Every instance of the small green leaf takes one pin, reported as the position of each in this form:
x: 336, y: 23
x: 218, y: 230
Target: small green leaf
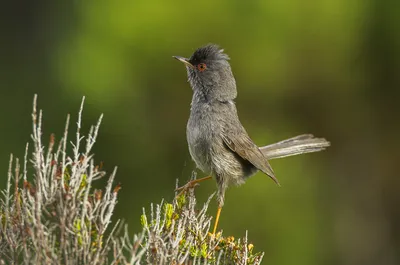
x: 169, y: 210
x: 194, y: 252
x: 143, y: 221
x: 203, y: 250
x: 181, y: 201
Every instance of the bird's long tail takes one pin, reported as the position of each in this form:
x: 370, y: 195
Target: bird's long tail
x: 305, y: 143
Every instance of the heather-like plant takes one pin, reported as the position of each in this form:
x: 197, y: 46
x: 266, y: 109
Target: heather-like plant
x: 51, y: 214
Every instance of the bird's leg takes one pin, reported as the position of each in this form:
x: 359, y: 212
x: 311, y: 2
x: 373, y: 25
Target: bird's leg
x: 222, y: 185
x: 190, y: 185
x: 217, y: 219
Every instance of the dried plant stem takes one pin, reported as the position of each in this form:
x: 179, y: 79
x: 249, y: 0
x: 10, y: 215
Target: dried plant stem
x: 54, y: 216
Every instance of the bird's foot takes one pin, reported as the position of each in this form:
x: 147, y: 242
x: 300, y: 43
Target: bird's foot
x: 190, y: 185
x: 184, y: 188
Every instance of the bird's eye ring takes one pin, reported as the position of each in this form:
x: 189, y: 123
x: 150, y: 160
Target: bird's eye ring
x: 201, y: 67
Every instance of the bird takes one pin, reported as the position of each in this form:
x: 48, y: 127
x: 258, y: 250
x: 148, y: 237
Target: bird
x: 218, y: 143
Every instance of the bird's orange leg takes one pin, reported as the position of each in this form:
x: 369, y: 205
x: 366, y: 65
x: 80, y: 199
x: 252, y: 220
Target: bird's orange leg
x: 190, y: 185
x: 217, y: 220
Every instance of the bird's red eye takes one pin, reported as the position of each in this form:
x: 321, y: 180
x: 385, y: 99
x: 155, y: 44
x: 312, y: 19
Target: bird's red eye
x: 201, y: 67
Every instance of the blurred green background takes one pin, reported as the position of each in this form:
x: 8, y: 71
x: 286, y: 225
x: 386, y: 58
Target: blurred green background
x: 331, y: 68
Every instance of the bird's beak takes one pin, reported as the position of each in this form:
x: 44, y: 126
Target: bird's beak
x: 184, y: 60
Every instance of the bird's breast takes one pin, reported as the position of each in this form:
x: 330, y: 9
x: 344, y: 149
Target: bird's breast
x: 203, y: 132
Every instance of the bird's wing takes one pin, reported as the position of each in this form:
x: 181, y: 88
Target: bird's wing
x: 241, y: 144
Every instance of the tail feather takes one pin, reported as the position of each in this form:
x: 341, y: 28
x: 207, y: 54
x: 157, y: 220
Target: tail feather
x: 301, y: 144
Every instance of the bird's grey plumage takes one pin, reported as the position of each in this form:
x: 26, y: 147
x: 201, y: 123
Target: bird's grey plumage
x: 218, y: 143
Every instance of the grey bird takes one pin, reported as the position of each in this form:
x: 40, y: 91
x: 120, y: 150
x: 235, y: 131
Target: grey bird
x: 218, y: 142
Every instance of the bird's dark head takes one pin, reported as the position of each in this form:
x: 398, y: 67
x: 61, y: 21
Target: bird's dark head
x: 210, y: 74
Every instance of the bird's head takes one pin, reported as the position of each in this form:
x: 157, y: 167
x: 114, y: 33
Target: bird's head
x: 210, y: 74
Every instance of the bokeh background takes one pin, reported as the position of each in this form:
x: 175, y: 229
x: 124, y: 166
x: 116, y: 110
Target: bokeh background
x: 331, y: 68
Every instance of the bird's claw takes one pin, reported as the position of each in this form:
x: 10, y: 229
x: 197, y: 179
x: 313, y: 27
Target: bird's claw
x: 187, y: 186
x: 190, y: 185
